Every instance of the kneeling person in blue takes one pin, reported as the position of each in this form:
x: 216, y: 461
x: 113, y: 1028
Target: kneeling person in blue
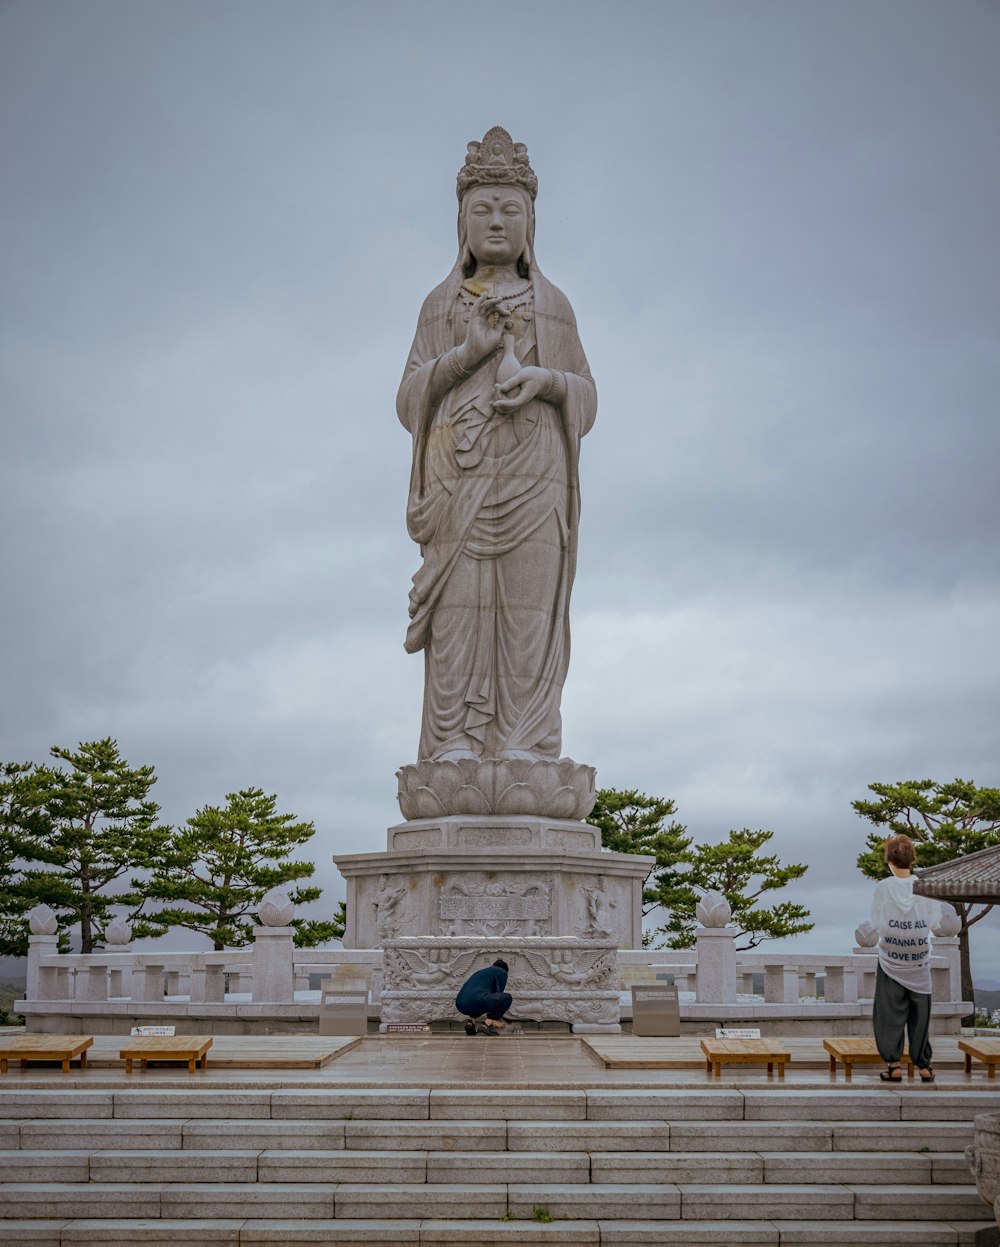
x: 483, y: 992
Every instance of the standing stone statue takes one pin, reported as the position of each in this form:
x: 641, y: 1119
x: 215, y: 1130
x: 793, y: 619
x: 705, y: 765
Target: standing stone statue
x: 497, y: 395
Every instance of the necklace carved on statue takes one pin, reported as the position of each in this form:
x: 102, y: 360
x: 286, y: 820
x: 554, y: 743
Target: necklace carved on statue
x: 515, y: 298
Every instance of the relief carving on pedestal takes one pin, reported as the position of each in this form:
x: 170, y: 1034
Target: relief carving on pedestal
x: 598, y: 918
x: 391, y: 910
x: 470, y: 905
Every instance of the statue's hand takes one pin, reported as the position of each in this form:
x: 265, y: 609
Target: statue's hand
x: 523, y: 386
x: 486, y: 328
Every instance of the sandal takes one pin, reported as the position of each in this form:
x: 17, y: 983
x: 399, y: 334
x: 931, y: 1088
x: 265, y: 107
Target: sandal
x: 893, y: 1073
x: 927, y: 1073
x: 470, y: 1027
x: 486, y: 1029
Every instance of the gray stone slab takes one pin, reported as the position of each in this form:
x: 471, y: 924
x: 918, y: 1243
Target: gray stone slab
x: 29, y: 1104
x: 430, y: 1136
x: 508, y: 1167
x: 10, y: 1133
x: 120, y: 1233
x: 101, y: 1135
x: 234, y: 1199
x: 523, y: 1233
x: 296, y: 1136
x: 629, y: 1167
x: 861, y: 1234
x: 343, y: 1166
x: 542, y: 1105
x: 708, y: 1105
x: 344, y: 1104
x: 324, y: 1233
x: 727, y: 1201
x: 977, y: 1233
x: 934, y: 1104
x: 22, y: 1201
x: 45, y: 1165
x: 442, y: 1201
x: 38, y: 1233
x: 950, y: 1168
x: 225, y: 1105
x: 858, y: 1167
x: 750, y: 1136
x: 587, y: 1136
x: 812, y: 1106
x: 174, y: 1165
x: 683, y: 1233
x: 904, y: 1136
x: 596, y: 1200
x: 919, y: 1203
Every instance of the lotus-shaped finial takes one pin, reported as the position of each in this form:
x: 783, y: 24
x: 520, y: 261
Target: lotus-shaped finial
x: 42, y: 920
x: 713, y: 910
x: 865, y: 935
x: 276, y: 908
x: 117, y: 932
x: 948, y: 924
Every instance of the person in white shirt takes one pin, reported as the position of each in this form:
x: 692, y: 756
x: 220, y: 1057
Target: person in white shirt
x: 903, y: 982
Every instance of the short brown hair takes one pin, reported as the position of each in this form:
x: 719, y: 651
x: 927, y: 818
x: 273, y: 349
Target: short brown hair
x: 900, y: 852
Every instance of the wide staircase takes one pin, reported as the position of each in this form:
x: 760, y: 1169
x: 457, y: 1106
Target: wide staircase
x: 345, y: 1166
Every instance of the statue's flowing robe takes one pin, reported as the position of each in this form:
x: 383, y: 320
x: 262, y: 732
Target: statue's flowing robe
x: 494, y: 505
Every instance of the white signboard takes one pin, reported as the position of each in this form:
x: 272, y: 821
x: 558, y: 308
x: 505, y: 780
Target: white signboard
x: 152, y: 1030
x: 737, y: 1032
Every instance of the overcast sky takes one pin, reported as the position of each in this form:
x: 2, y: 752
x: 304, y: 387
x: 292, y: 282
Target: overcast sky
x: 778, y: 226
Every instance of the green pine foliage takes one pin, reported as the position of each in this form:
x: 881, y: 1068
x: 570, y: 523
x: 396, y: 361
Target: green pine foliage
x: 632, y: 822
x: 738, y: 869
x: 220, y: 864
x: 945, y: 821
x: 72, y: 833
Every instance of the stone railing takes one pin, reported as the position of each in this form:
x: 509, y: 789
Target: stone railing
x: 271, y: 978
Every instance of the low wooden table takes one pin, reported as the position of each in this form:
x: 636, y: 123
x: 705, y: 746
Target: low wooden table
x: 143, y: 1048
x: 851, y: 1052
x: 985, y: 1050
x: 25, y: 1048
x: 719, y: 1052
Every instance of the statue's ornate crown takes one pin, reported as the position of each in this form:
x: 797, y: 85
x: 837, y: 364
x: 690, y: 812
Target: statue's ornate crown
x: 497, y: 160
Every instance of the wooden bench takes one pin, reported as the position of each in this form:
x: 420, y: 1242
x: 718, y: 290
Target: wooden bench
x: 143, y: 1048
x: 25, y: 1048
x: 851, y: 1052
x: 985, y: 1050
x: 719, y: 1052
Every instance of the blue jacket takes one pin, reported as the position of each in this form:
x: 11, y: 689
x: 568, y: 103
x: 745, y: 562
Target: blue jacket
x: 480, y: 988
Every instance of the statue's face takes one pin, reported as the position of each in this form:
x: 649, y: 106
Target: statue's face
x: 496, y: 224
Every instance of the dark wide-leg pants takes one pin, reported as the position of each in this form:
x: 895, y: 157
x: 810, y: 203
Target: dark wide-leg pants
x: 493, y: 1004
x: 898, y: 1011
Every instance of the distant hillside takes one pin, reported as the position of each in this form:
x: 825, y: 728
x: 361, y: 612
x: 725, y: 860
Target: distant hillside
x: 987, y: 1000
x: 9, y: 992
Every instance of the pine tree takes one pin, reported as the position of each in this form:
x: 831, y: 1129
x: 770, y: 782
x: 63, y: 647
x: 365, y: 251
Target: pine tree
x: 220, y: 864
x: 736, y: 868
x: 80, y: 831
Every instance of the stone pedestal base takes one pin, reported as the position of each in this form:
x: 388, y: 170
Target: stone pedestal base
x: 551, y: 980
x: 492, y: 875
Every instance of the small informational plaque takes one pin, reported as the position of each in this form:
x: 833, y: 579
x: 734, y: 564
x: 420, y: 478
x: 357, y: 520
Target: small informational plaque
x: 152, y: 1030
x: 405, y: 1028
x: 737, y: 1032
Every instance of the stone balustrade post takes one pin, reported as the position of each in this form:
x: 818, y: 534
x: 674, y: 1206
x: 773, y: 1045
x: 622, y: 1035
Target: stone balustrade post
x: 39, y: 946
x: 147, y: 983
x: 53, y: 983
x: 120, y: 976
x: 841, y: 985
x: 173, y: 983
x: 92, y: 982
x: 950, y: 980
x: 781, y: 983
x: 807, y: 982
x: 207, y: 985
x: 715, y: 973
x: 273, y: 949
x: 746, y: 983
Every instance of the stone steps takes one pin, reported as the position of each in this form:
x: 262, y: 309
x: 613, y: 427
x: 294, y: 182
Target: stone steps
x: 237, y: 1232
x: 681, y: 1166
